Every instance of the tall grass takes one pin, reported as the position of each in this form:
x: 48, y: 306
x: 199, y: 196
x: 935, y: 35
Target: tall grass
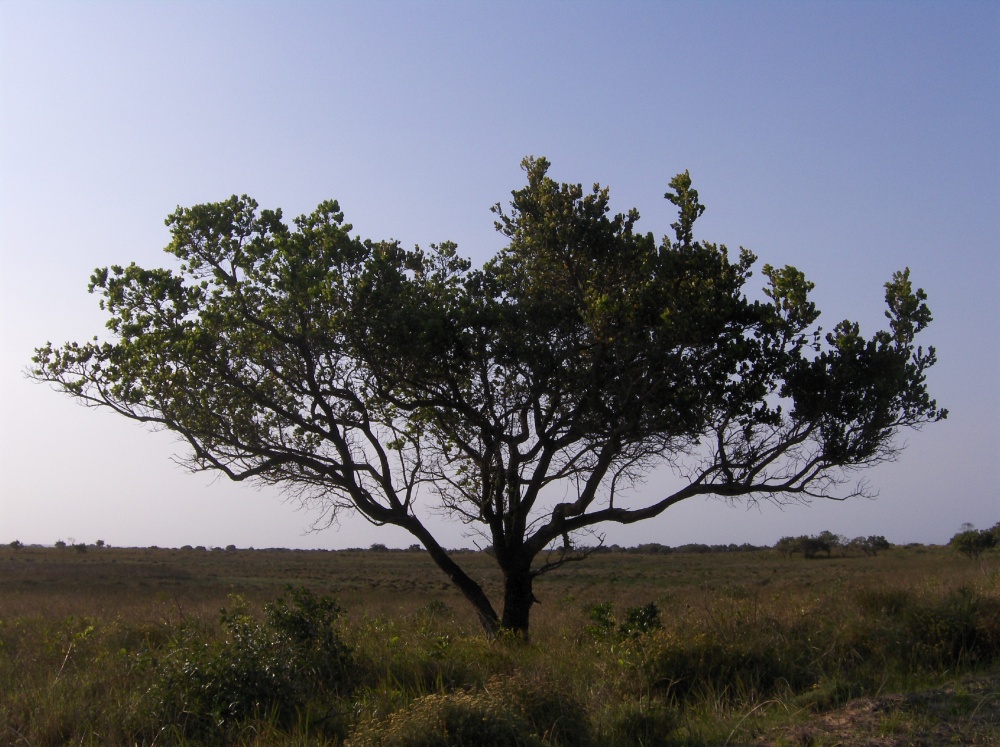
x: 646, y: 658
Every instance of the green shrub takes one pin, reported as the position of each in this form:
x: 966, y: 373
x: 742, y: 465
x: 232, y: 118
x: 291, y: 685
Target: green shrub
x: 640, y: 620
x: 602, y: 620
x: 276, y: 669
x: 973, y: 543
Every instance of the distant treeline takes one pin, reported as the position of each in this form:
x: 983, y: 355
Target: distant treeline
x: 809, y: 546
x: 655, y: 548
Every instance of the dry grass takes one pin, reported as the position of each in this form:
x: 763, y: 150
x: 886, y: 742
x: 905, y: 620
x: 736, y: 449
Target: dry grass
x: 754, y: 648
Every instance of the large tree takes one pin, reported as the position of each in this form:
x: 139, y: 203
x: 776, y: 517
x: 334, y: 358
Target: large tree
x: 523, y: 397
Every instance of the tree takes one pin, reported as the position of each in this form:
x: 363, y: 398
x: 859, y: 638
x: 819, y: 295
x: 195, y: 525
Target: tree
x: 522, y: 398
x: 830, y: 541
x: 974, y: 542
x: 810, y: 547
x: 870, y: 545
x: 788, y: 546
x: 813, y: 546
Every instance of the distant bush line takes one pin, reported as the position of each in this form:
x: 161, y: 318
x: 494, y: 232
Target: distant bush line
x: 970, y: 542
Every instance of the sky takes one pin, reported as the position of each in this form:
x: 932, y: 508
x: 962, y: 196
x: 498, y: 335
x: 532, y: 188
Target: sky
x: 849, y: 139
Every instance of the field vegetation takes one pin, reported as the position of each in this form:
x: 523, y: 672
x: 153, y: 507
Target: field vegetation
x: 115, y: 646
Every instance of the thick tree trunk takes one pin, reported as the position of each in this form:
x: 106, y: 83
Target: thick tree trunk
x: 517, y: 600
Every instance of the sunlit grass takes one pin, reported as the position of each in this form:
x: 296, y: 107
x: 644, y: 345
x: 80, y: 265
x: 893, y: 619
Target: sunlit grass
x: 102, y: 648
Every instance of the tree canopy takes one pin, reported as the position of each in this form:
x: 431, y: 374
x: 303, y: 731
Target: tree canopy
x: 522, y: 397
x: 974, y: 542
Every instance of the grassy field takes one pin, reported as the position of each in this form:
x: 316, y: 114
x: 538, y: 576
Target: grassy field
x: 116, y: 646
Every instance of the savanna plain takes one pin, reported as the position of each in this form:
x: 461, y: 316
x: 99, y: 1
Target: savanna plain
x: 152, y: 646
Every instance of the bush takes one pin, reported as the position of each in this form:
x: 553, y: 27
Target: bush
x: 870, y: 545
x: 974, y: 542
x: 810, y: 547
x: 638, y: 621
x: 602, y: 620
x: 291, y: 661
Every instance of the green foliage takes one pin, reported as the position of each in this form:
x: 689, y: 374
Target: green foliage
x: 871, y: 545
x: 638, y: 621
x: 974, y: 542
x: 602, y: 620
x: 276, y: 668
x: 356, y: 372
x: 809, y: 546
x: 826, y: 542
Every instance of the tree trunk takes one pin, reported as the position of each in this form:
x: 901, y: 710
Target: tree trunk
x: 472, y: 591
x: 517, y: 600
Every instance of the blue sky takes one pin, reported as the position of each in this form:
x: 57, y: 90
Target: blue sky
x: 849, y: 139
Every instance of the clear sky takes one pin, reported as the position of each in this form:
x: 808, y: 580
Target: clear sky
x: 850, y: 139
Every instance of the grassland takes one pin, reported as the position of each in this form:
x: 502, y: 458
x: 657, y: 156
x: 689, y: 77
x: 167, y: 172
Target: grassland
x: 127, y: 646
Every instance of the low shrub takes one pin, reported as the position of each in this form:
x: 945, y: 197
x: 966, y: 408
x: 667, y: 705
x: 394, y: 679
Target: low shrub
x: 281, y: 669
x: 638, y: 621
